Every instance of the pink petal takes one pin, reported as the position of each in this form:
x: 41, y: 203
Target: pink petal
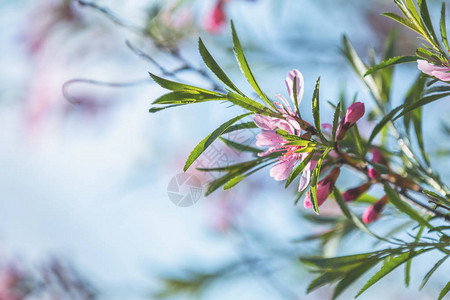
x: 282, y: 170
x: 269, y: 139
x: 265, y: 122
x: 370, y: 215
x: 304, y: 179
x: 442, y: 75
x: 290, y: 85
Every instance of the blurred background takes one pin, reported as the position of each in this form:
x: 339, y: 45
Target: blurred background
x: 85, y: 211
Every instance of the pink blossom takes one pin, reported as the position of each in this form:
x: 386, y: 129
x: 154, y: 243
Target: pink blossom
x: 216, y: 18
x: 324, y: 188
x: 440, y: 72
x: 354, y: 113
x: 269, y: 138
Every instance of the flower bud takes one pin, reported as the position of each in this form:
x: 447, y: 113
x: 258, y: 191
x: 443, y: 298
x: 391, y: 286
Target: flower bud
x: 374, y: 174
x: 352, y: 194
x: 324, y: 188
x: 378, y: 157
x: 372, y: 213
x: 216, y: 18
x: 354, y: 113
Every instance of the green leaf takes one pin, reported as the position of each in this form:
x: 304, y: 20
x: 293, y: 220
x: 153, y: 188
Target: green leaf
x: 315, y: 179
x: 444, y: 291
x: 350, y: 215
x: 337, y: 114
x: 402, y: 21
x: 383, y: 122
x: 234, y: 181
x: 251, y: 105
x: 156, y: 109
x: 187, y: 97
x: 444, y: 28
x: 175, y: 86
x: 390, y: 264
x: 427, y: 19
x: 435, y: 196
x: 433, y: 269
x: 245, y: 68
x: 215, y: 68
x: 403, y: 207
x: 241, y: 126
x: 421, y: 102
x: 390, y: 62
x: 334, y: 263
x: 352, y: 276
x: 316, y: 112
x: 299, y: 168
x: 205, y: 143
x: 428, y: 55
x: 240, y: 147
x: 323, y: 279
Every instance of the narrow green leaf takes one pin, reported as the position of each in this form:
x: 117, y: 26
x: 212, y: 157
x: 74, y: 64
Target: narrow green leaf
x: 315, y: 179
x: 383, y: 122
x: 433, y: 269
x: 390, y: 264
x: 403, y: 207
x: 198, y: 150
x: 334, y: 263
x: 215, y: 68
x: 299, y: 168
x: 444, y: 28
x: 435, y: 196
x: 413, y: 10
x: 427, y: 19
x: 337, y: 114
x: 241, y: 126
x: 428, y: 55
x: 187, y: 97
x: 424, y: 101
x: 350, y: 215
x: 156, y: 109
x: 444, y: 291
x: 352, y: 276
x: 240, y: 147
x: 234, y: 181
x: 390, y: 62
x: 402, y: 21
x: 245, y: 68
x: 325, y: 278
x: 316, y: 112
x: 251, y: 105
x: 175, y: 86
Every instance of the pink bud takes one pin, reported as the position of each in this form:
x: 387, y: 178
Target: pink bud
x: 324, y: 188
x: 374, y: 174
x: 352, y: 194
x: 216, y: 19
x: 354, y: 113
x: 370, y: 215
x: 378, y: 157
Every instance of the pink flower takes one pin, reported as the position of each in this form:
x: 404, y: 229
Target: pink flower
x: 323, y: 189
x: 440, y: 72
x: 354, y: 113
x: 216, y: 19
x: 275, y: 142
x: 352, y: 194
x: 372, y: 213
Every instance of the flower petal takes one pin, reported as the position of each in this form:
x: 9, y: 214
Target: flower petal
x: 269, y: 139
x: 265, y: 122
x: 282, y: 170
x: 290, y: 85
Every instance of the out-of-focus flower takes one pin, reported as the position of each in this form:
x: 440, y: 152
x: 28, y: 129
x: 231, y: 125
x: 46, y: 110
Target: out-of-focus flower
x: 352, y: 194
x: 354, y: 113
x: 378, y: 158
x: 372, y: 213
x: 324, y: 188
x: 374, y: 174
x: 440, y: 72
x: 216, y: 19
